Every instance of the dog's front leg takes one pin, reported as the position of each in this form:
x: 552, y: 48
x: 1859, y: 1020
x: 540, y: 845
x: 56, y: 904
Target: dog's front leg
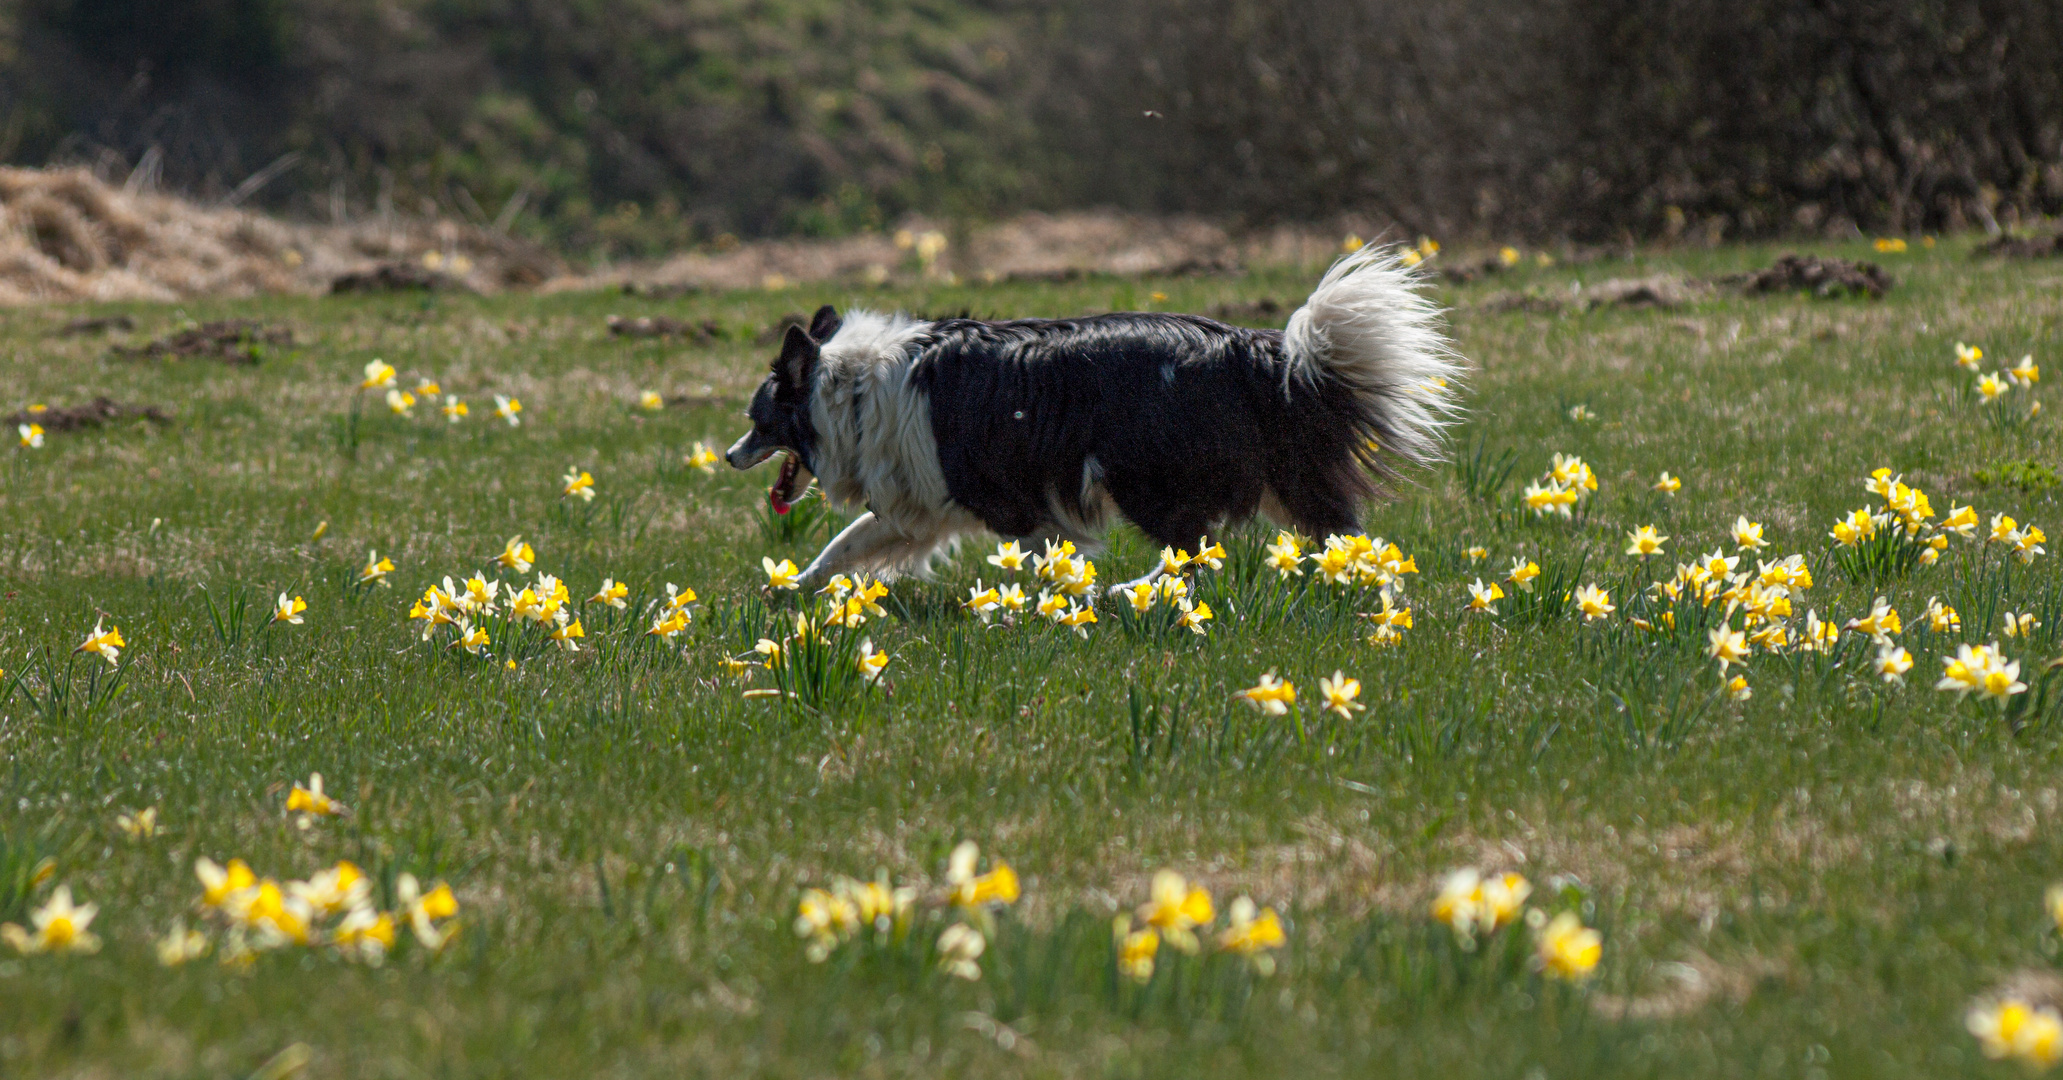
x: 861, y: 543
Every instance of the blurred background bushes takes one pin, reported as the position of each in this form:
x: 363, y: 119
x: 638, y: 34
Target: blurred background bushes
x: 635, y: 126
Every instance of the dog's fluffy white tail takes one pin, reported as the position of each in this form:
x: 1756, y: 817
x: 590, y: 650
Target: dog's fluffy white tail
x: 1370, y: 330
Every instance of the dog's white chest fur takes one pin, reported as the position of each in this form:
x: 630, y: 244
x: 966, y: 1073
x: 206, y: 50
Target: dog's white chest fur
x: 875, y: 444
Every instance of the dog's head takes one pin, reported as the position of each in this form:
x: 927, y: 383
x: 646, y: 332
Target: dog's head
x: 780, y: 412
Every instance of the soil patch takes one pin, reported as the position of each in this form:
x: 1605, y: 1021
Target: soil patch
x: 102, y: 324
x: 661, y: 326
x: 96, y: 413
x: 394, y: 277
x: 2023, y: 247
x: 233, y: 341
x: 1817, y: 274
x: 1661, y: 291
x: 1267, y: 310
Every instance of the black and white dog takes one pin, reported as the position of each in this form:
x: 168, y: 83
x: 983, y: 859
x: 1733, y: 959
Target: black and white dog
x: 1042, y: 428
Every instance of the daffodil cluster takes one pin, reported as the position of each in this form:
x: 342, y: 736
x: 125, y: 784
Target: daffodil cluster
x: 332, y: 909
x: 1178, y: 914
x: 884, y: 913
x: 543, y: 606
x: 1567, y: 482
x: 1476, y: 906
x: 1068, y: 579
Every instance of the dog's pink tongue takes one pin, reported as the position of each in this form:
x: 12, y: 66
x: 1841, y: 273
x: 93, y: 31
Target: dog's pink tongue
x: 780, y: 505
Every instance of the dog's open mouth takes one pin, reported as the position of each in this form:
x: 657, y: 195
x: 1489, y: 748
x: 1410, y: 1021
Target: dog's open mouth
x: 789, y: 485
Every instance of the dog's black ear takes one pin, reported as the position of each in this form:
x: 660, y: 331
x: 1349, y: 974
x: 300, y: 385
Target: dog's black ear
x: 798, y: 360
x: 824, y: 323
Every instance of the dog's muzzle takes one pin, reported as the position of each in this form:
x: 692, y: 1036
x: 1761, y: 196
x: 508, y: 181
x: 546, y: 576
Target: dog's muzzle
x: 743, y: 455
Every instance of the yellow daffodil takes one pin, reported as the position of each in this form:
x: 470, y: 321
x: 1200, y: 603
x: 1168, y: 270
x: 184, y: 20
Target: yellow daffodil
x: 1881, y: 624
x: 1990, y: 387
x: 517, y: 555
x: 508, y: 409
x: 1523, y: 571
x: 1728, y: 646
x: 959, y: 947
x: 471, y: 638
x: 781, y: 575
x: 427, y: 389
x: 1550, y: 499
x: 1483, y: 598
x: 982, y: 601
x: 577, y: 483
x: 141, y: 825
x: 870, y: 662
x: 288, y: 610
x: 1571, y: 472
x: 774, y: 652
x: 364, y: 935
x: 611, y: 593
x: 453, y: 409
x: 1008, y: 556
x: 1141, y: 596
x: 1351, y: 244
x: 1136, y: 949
x: 1173, y: 589
x: 1567, y: 949
x: 400, y: 402
x: 310, y: 799
x: 969, y: 889
x: 1286, y: 555
x: 1508, y: 256
x: 1271, y: 696
x: 1176, y: 908
x: 668, y: 624
x: 1208, y: 554
x: 1668, y: 485
x: 1052, y: 605
x: 59, y: 926
x: 1893, y: 662
x: 2026, y: 374
x: 1339, y: 693
x: 1747, y: 535
x: 1477, y: 554
x: 1962, y: 521
x: 703, y: 458
x: 1252, y: 932
x: 1968, y: 356
x: 1079, y: 619
x: 31, y: 436
x: 826, y: 918
x: 108, y: 643
x: 1410, y: 257
x: 2022, y: 625
x: 565, y: 633
x: 1644, y: 541
x: 1193, y: 616
x: 2027, y: 543
x: 1470, y: 903
x: 379, y: 375
x: 219, y: 883
x: 650, y: 401
x: 1172, y: 561
x: 429, y: 914
x: 181, y: 945
x: 2012, y: 1028
x: 375, y: 570
x: 1594, y: 602
x: 1857, y: 527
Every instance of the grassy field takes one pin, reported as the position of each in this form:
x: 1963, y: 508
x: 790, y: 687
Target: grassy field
x: 1816, y: 881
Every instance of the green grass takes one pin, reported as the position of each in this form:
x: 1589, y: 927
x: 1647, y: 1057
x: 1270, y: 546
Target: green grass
x: 1836, y: 866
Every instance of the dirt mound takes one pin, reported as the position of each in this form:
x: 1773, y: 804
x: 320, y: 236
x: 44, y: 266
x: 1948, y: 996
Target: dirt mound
x: 95, y: 413
x: 1817, y: 274
x: 67, y: 235
x: 656, y: 326
x: 103, y: 324
x: 393, y: 277
x: 1660, y: 291
x: 2023, y: 247
x: 233, y: 341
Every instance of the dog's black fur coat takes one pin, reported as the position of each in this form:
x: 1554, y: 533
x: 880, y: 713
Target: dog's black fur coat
x: 1190, y: 423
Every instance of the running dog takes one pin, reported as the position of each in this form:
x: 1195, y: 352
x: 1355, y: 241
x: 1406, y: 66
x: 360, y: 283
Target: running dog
x: 1045, y: 428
